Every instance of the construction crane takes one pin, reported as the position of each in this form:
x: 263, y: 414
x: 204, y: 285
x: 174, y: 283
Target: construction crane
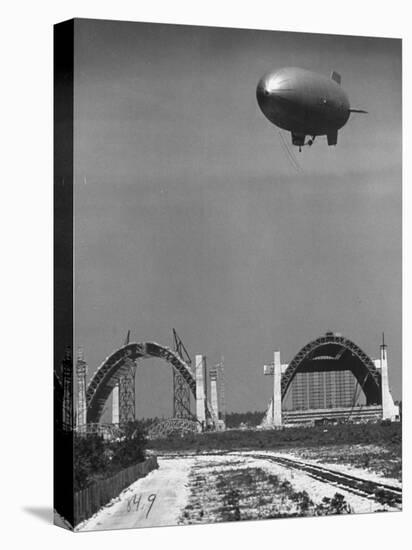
x: 181, y: 392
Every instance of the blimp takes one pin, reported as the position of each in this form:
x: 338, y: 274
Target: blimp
x: 305, y: 103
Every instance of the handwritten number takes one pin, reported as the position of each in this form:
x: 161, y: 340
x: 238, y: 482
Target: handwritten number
x: 151, y: 499
x: 136, y: 501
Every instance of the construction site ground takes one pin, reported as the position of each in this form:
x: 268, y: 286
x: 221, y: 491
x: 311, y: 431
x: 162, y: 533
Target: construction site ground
x: 213, y: 486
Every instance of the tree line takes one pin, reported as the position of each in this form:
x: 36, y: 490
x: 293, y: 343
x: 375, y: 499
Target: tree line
x: 248, y: 419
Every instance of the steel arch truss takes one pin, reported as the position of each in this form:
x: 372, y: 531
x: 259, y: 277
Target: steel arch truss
x: 117, y: 365
x: 362, y: 367
x: 172, y: 427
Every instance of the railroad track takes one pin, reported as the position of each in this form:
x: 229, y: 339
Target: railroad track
x: 381, y: 492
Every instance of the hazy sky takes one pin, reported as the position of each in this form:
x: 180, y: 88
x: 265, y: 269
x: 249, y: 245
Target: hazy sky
x: 189, y: 214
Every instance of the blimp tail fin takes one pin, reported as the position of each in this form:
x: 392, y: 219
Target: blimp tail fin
x: 358, y: 111
x: 336, y: 77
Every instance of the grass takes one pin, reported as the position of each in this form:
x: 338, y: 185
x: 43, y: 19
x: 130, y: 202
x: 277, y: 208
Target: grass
x: 388, y: 436
x: 248, y: 494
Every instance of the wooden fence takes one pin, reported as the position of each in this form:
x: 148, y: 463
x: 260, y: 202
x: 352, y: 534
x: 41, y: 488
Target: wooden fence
x: 89, y: 500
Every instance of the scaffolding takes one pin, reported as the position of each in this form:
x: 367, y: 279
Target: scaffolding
x: 127, y: 392
x: 221, y: 385
x: 181, y: 391
x: 67, y: 373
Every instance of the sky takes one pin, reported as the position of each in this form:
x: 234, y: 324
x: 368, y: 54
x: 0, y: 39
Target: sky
x: 189, y: 214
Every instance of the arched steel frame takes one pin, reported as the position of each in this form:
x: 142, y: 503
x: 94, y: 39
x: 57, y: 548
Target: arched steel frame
x: 363, y: 369
x: 172, y: 426
x: 105, y: 377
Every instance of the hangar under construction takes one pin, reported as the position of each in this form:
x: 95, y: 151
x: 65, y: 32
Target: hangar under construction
x: 330, y: 379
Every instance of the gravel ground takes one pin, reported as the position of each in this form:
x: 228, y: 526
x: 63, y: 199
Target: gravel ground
x: 265, y: 490
x: 190, y: 489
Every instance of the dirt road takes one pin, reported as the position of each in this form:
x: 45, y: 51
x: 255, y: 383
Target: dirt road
x: 153, y: 501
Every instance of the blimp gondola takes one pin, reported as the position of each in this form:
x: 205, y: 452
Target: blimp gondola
x: 305, y: 103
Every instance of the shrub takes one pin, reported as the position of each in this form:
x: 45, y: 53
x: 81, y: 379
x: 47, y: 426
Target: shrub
x: 131, y: 447
x: 95, y: 458
x: 91, y: 459
x: 331, y: 506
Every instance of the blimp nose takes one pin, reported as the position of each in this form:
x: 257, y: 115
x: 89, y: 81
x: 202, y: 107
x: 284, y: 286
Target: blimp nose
x: 263, y: 94
x: 274, y: 94
x: 276, y: 84
x: 274, y: 88
x: 262, y: 88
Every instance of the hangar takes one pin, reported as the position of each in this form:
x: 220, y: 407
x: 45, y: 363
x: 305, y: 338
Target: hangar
x: 330, y: 379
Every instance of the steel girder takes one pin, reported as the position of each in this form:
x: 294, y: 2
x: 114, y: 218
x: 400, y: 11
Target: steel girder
x: 172, y: 426
x: 181, y: 397
x: 127, y: 392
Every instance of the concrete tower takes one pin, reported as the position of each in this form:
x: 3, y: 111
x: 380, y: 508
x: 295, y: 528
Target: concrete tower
x: 115, y: 404
x: 81, y: 371
x: 200, y: 392
x: 277, y: 389
x: 213, y: 396
x: 273, y: 415
x: 389, y: 410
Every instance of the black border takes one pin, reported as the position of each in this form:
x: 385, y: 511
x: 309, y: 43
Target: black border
x: 63, y: 260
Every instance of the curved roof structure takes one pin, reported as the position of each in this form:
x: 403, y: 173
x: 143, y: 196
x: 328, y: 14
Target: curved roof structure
x: 334, y: 352
x: 105, y: 378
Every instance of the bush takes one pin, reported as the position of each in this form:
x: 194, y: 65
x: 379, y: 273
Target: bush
x: 91, y: 459
x: 131, y: 448
x: 95, y: 458
x: 250, y: 419
x: 331, y: 506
